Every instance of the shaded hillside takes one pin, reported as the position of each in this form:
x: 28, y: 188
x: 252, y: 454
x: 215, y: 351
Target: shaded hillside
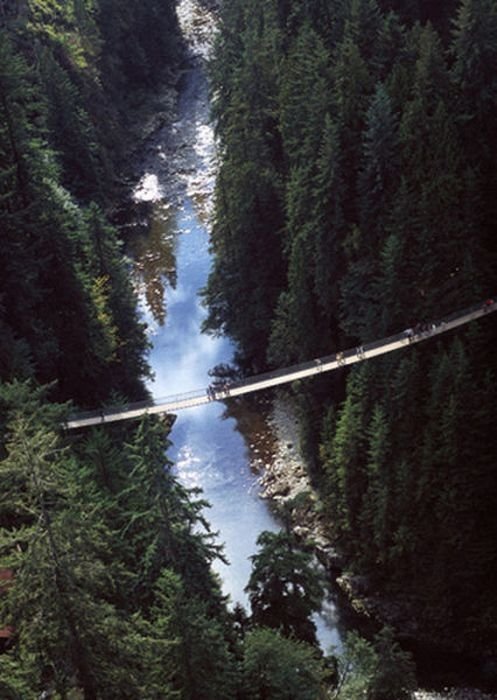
x: 67, y: 311
x: 356, y: 198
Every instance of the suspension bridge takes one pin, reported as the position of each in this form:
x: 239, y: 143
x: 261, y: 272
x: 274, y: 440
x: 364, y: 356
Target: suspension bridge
x: 221, y: 390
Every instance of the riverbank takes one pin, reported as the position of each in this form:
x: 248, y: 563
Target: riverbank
x: 152, y: 115
x: 285, y: 484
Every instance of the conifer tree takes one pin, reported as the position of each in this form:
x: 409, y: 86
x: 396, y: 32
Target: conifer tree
x: 303, y: 100
x: 277, y: 667
x: 66, y: 631
x: 71, y: 133
x: 199, y: 663
x: 283, y: 587
x: 377, y: 180
x: 161, y: 521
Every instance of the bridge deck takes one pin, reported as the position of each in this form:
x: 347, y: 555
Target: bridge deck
x: 258, y: 382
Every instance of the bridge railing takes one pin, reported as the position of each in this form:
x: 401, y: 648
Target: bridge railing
x: 136, y: 405
x: 222, y: 389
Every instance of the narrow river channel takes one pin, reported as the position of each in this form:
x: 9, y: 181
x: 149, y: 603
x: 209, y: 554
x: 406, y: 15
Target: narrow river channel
x: 212, y: 449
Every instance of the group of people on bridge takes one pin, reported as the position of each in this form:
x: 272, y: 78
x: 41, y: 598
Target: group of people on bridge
x: 221, y: 388
x: 211, y: 390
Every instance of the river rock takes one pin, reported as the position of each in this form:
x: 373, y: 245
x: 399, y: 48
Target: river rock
x: 285, y: 482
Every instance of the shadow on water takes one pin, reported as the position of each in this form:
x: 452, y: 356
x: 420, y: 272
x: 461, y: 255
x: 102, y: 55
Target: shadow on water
x: 154, y: 260
x: 219, y: 448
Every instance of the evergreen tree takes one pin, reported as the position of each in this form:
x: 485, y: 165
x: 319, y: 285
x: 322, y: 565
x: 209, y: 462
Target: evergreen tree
x: 378, y: 671
x: 46, y: 256
x: 303, y: 100
x: 394, y: 677
x: 64, y: 626
x: 161, y: 521
x: 473, y: 50
x: 377, y: 179
x: 71, y: 132
x: 277, y: 668
x: 283, y: 588
x: 248, y: 219
x: 200, y: 666
x: 345, y: 466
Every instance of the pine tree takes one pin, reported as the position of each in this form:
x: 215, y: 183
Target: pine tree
x: 303, y: 100
x: 473, y: 50
x: 64, y: 626
x: 46, y: 257
x: 394, y: 677
x: 283, y: 588
x: 376, y: 510
x: 378, y: 177
x: 198, y: 664
x: 345, y: 468
x: 70, y: 130
x: 277, y: 667
x: 248, y: 220
x: 162, y: 522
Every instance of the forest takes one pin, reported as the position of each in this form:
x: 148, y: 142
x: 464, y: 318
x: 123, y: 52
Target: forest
x: 106, y: 586
x: 355, y: 197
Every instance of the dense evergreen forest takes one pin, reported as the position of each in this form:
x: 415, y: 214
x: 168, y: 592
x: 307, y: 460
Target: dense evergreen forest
x: 356, y: 198
x: 106, y: 589
x: 67, y: 312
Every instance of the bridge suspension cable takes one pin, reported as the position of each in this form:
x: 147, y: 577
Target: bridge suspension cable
x: 328, y: 363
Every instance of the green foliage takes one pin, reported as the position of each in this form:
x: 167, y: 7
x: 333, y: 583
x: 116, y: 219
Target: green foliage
x: 161, y: 520
x: 72, y: 134
x: 139, y: 42
x: 380, y: 670
x: 248, y: 218
x: 14, y: 680
x: 56, y: 603
x: 112, y: 594
x: 284, y: 587
x: 384, y: 180
x: 278, y: 668
x: 394, y: 677
x: 302, y: 109
x: 67, y: 308
x: 201, y: 664
x: 356, y: 667
x: 112, y: 590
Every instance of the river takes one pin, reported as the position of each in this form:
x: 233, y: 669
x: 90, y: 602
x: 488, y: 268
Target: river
x: 212, y: 449
x: 219, y: 448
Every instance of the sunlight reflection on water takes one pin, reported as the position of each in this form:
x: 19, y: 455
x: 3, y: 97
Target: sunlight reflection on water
x: 208, y: 450
x: 213, y: 446
x: 148, y: 189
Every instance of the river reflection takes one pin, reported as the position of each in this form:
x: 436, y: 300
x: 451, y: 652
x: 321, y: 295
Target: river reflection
x: 208, y: 450
x: 154, y: 256
x: 216, y: 447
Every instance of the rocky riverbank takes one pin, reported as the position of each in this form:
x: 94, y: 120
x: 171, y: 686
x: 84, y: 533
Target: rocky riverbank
x: 284, y: 482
